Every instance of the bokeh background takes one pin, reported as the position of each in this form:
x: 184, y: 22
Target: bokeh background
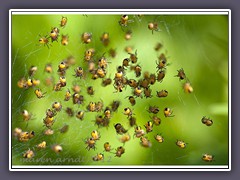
x: 196, y: 43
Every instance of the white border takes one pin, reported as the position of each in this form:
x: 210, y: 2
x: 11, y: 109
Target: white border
x: 120, y: 11
x: 10, y: 89
x: 118, y: 168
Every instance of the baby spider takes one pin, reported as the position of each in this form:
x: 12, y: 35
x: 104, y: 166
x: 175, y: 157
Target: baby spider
x: 207, y: 157
x: 98, y: 157
x: 153, y: 109
x: 95, y: 135
x: 139, y: 132
x: 119, y: 151
x: 161, y: 75
x: 86, y: 37
x: 26, y: 115
x: 153, y: 26
x: 207, y: 121
x: 124, y: 21
x: 64, y: 40
x: 181, y: 74
x: 147, y: 92
x: 39, y: 93
x: 128, y: 112
x: 79, y: 72
x: 44, y: 40
x: 158, y: 46
x: 107, y: 147
x: 28, y: 154
x: 168, y: 112
x: 181, y: 144
x: 32, y: 70
x: 105, y: 38
x: 161, y: 64
x: 112, y: 52
x: 132, y: 100
x: 149, y: 126
x: 145, y: 142
x: 159, y: 138
x: 114, y: 106
x: 128, y: 35
x: 156, y: 120
x: 133, y: 57
x: 90, y: 144
x: 132, y: 121
x: 124, y: 138
x: 120, y: 129
x: 138, y: 92
x: 54, y: 34
x: 57, y: 148
x: 42, y: 145
x: 63, y: 22
x: 187, y: 88
x: 80, y: 115
x: 162, y: 93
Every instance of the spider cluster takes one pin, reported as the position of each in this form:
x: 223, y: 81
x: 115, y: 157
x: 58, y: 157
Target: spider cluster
x: 98, y: 67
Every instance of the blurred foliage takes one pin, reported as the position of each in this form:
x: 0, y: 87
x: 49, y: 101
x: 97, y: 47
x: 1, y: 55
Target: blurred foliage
x: 196, y: 43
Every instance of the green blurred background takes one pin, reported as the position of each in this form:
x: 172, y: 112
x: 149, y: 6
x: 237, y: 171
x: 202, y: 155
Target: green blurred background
x: 196, y: 43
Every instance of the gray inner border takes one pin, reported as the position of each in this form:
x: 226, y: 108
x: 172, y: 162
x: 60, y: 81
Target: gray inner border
x: 173, y: 4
